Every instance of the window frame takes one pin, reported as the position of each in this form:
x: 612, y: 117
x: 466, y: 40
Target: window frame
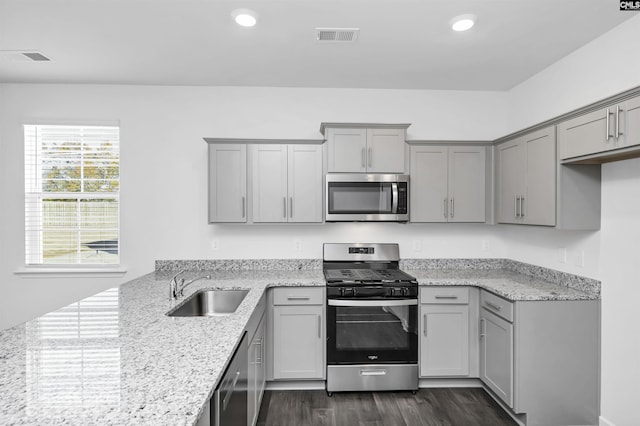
x: 30, y: 269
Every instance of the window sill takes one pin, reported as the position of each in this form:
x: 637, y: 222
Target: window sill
x: 70, y: 272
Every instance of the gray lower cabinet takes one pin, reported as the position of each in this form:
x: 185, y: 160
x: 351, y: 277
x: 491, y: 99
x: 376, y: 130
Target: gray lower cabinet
x: 496, y: 355
x: 541, y: 358
x: 444, y: 332
x: 298, y: 342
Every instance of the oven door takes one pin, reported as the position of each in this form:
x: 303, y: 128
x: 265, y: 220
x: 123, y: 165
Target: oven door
x: 363, y: 197
x: 372, y: 331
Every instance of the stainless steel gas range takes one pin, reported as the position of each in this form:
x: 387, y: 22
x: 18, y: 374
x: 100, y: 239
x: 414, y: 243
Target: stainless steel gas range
x: 372, y: 319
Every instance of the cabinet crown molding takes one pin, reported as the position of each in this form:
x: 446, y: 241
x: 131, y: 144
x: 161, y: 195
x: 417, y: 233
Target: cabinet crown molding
x: 324, y: 126
x: 264, y: 141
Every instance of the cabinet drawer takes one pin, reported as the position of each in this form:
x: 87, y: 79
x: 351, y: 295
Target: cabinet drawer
x: 497, y: 305
x: 444, y: 295
x: 298, y: 296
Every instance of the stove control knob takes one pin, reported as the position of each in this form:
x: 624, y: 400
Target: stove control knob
x: 405, y: 291
x: 341, y: 291
x: 348, y: 292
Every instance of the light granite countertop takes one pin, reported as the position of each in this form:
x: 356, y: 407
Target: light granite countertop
x: 116, y: 358
x: 508, y: 284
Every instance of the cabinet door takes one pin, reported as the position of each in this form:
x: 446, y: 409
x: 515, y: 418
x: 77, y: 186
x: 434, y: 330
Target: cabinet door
x: 256, y: 382
x: 428, y: 184
x: 385, y: 150
x: 227, y: 183
x: 305, y: 183
x: 511, y: 179
x: 496, y: 355
x: 347, y: 150
x: 298, y: 344
x: 444, y: 340
x: 269, y: 168
x: 587, y: 134
x: 630, y: 123
x: 539, y: 204
x: 467, y: 168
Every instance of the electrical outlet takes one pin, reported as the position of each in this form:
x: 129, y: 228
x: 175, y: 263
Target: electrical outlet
x: 485, y: 245
x: 562, y: 255
x: 215, y: 244
x: 579, y: 259
x: 297, y: 245
x: 417, y: 245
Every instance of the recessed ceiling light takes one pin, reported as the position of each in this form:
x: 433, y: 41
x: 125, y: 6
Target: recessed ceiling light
x: 244, y: 17
x: 463, y: 22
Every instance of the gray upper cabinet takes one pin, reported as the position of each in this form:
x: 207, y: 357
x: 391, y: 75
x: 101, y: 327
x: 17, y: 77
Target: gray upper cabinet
x: 385, y: 150
x: 526, y: 179
x: 227, y: 183
x: 357, y: 148
x: 347, y: 150
x: 602, y: 135
x: 447, y: 183
x: 286, y: 183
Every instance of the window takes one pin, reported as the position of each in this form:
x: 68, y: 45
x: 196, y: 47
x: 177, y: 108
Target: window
x: 72, y: 183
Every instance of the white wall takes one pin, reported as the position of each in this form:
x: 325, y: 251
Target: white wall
x: 608, y: 65
x: 164, y: 169
x: 620, y: 275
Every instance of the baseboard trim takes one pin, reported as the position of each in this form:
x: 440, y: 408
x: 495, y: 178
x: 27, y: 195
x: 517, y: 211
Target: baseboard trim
x: 449, y: 383
x: 605, y: 422
x: 296, y: 385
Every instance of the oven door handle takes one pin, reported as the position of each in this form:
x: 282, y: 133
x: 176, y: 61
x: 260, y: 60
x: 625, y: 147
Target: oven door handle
x: 387, y: 302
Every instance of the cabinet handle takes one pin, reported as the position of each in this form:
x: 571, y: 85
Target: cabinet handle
x: 522, y: 206
x: 424, y: 324
x: 515, y: 207
x: 259, y: 353
x: 243, y: 208
x: 370, y: 156
x: 319, y: 327
x: 284, y: 207
x: 298, y: 298
x: 493, y: 306
x: 618, y: 132
x: 483, y: 331
x: 291, y: 207
x: 362, y: 158
x: 446, y: 208
x: 447, y: 297
x: 609, y: 113
x: 373, y: 372
x: 452, y: 207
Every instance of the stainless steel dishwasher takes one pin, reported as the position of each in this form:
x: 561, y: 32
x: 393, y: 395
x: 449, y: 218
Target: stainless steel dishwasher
x: 230, y: 398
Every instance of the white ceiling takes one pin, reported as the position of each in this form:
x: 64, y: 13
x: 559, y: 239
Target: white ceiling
x: 403, y: 44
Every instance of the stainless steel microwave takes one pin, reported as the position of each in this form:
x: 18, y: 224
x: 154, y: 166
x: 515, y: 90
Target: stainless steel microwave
x: 367, y: 197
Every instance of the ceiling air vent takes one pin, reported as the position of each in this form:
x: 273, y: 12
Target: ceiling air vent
x: 337, y: 35
x: 22, y: 55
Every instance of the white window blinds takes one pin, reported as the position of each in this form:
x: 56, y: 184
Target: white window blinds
x: 72, y: 182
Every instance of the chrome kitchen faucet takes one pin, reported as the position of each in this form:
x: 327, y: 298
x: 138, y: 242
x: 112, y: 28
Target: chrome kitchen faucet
x: 176, y: 287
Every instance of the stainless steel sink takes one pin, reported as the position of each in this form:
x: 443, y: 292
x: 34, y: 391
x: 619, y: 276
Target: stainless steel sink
x: 207, y: 303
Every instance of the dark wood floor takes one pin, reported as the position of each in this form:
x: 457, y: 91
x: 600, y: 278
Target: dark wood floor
x: 429, y: 407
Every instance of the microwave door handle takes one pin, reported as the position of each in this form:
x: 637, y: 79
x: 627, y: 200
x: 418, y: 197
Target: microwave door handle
x: 394, y: 198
